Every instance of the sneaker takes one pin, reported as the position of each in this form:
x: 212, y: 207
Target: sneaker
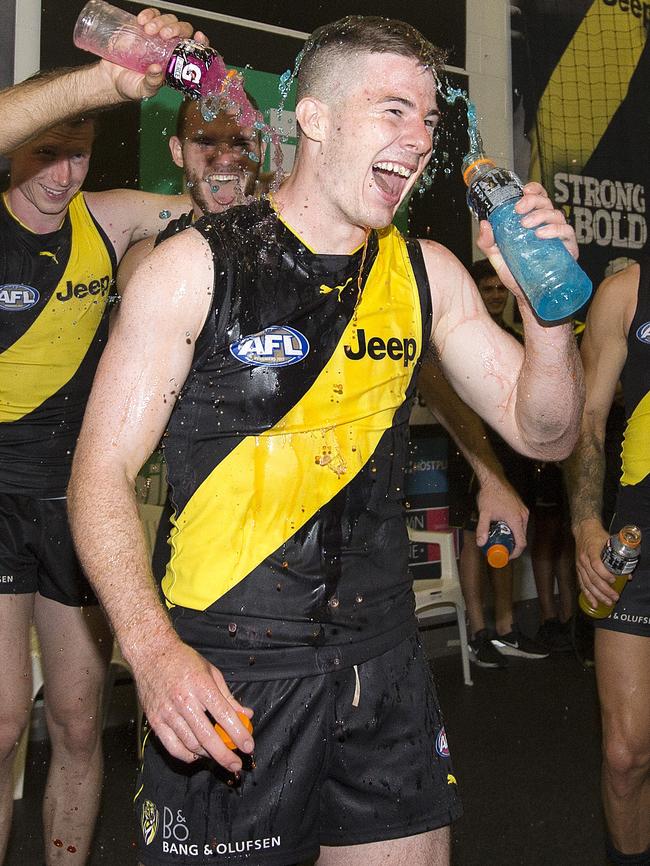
x: 517, y: 644
x: 555, y: 636
x: 483, y: 654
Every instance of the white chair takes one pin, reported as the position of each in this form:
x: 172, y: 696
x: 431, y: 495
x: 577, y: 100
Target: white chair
x: 443, y: 593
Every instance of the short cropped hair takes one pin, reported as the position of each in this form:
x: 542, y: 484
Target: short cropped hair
x: 482, y: 270
x: 329, y: 48
x: 186, y: 104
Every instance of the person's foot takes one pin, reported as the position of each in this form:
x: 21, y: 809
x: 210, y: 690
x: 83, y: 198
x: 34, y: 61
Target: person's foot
x: 555, y: 636
x: 517, y: 644
x: 483, y: 654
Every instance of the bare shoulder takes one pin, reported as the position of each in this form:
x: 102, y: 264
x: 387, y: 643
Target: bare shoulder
x: 614, y: 302
x: 452, y: 288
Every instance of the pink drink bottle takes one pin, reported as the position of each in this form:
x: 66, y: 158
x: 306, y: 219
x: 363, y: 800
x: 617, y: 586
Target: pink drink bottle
x: 194, y: 69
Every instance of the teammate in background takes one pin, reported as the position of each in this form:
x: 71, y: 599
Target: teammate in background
x: 59, y: 249
x: 292, y: 330
x: 616, y: 346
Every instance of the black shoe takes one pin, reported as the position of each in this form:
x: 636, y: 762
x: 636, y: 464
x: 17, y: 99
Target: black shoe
x: 582, y: 637
x: 555, y: 636
x: 517, y: 644
x: 483, y: 654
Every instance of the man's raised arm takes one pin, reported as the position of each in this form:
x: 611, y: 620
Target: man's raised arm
x: 531, y: 396
x: 151, y: 345
x: 29, y: 108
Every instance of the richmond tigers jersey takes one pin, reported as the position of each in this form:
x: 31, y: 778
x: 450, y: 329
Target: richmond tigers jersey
x: 287, y: 446
x: 53, y: 324
x: 636, y: 389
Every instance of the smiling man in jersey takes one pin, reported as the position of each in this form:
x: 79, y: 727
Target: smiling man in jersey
x: 280, y: 363
x: 59, y: 248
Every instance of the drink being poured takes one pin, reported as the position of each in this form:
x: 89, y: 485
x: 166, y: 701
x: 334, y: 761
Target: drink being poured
x: 195, y: 69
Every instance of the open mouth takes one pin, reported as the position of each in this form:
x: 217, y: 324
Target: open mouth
x: 391, y: 178
x: 54, y: 193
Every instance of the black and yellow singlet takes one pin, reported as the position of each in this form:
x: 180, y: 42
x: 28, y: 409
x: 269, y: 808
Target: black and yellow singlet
x: 635, y: 378
x: 54, y: 290
x: 287, y: 447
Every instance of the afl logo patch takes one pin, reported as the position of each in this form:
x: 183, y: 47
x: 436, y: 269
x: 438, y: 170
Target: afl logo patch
x: 16, y: 297
x: 441, y: 744
x: 276, y: 346
x: 643, y: 333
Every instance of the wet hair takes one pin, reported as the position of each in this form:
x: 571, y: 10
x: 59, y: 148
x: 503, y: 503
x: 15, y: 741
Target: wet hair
x: 482, y: 270
x: 328, y: 49
x: 184, y: 110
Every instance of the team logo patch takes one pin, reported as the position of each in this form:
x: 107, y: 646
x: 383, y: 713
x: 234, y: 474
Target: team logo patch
x: 16, y: 297
x: 276, y: 346
x: 149, y: 820
x: 643, y: 333
x: 441, y: 744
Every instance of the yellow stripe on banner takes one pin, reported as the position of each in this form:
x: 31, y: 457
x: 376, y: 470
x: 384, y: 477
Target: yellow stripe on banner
x: 49, y: 353
x: 272, y: 484
x: 636, y: 453
x: 587, y: 87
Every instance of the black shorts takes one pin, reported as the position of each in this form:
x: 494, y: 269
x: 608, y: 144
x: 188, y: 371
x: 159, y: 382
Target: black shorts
x: 326, y: 772
x: 549, y: 489
x: 36, y: 551
x: 632, y: 612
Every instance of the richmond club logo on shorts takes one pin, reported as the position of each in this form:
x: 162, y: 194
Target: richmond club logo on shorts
x: 149, y: 820
x: 16, y: 297
x: 441, y: 743
x: 275, y: 346
x: 643, y: 333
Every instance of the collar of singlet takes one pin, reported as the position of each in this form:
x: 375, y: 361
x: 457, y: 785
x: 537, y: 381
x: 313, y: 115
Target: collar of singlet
x: 296, y: 234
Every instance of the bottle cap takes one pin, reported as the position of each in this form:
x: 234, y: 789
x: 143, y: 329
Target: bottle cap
x: 471, y: 162
x: 630, y: 536
x: 246, y: 722
x: 498, y: 555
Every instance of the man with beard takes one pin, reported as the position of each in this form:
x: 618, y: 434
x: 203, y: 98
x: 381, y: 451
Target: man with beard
x: 281, y: 348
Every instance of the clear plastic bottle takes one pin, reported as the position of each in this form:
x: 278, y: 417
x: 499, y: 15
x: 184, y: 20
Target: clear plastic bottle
x: 620, y: 556
x: 554, y: 283
x: 499, y: 545
x: 195, y: 69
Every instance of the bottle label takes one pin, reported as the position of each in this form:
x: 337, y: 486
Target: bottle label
x: 500, y: 533
x: 493, y: 189
x: 188, y: 67
x: 616, y: 563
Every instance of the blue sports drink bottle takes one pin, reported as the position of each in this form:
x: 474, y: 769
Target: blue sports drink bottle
x: 554, y: 283
x: 499, y: 545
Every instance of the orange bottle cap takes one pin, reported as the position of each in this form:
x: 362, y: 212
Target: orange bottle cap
x: 246, y: 722
x: 482, y: 160
x: 498, y: 556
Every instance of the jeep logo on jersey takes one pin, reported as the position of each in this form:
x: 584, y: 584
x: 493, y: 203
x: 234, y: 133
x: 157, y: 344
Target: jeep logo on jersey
x: 376, y: 348
x: 82, y: 290
x: 277, y: 346
x: 16, y: 297
x: 643, y: 332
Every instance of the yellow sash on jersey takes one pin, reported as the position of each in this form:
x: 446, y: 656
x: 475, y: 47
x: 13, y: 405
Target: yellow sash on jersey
x: 49, y: 353
x: 272, y: 484
x: 636, y: 444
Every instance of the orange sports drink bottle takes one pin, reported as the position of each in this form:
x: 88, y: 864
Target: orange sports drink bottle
x: 620, y: 556
x: 246, y: 722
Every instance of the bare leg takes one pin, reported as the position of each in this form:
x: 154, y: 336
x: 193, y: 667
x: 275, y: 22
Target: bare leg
x: 543, y: 554
x: 425, y: 849
x: 566, y: 576
x: 623, y: 674
x: 15, y: 696
x: 471, y: 581
x: 75, y: 645
x: 502, y: 591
